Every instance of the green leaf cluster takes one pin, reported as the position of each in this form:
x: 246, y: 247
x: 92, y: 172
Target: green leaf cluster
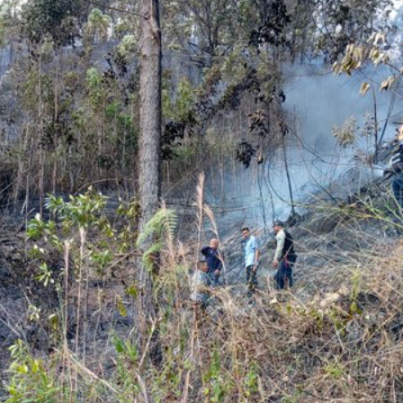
x: 57, y: 19
x: 30, y: 380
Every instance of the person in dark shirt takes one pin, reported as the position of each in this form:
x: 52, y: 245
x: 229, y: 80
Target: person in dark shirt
x: 395, y: 168
x: 214, y: 259
x: 285, y: 256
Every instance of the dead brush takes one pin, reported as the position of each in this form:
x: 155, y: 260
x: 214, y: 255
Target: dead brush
x: 304, y: 353
x: 337, y: 337
x: 339, y: 346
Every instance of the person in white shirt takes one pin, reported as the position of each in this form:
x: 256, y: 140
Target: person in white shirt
x: 251, y: 259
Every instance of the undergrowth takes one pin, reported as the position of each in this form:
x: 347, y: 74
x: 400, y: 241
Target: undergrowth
x: 343, y: 344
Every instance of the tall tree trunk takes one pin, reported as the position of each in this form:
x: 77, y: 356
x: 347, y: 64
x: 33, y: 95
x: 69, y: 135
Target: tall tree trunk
x: 150, y: 152
x: 150, y: 110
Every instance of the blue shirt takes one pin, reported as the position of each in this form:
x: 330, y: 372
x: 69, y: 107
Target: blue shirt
x: 250, y: 246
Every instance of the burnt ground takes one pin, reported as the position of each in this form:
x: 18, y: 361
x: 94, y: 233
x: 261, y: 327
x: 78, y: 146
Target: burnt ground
x: 325, y: 242
x: 24, y: 299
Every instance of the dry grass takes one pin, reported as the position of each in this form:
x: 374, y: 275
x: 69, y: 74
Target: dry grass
x: 338, y: 337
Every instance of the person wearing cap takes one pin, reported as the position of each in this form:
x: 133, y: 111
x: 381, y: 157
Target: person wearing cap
x: 395, y: 168
x: 284, y: 257
x: 251, y: 259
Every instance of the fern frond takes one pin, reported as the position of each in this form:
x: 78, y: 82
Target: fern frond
x: 162, y: 223
x: 148, y: 256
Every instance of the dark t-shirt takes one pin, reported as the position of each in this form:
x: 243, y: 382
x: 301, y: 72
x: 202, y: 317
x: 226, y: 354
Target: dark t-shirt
x: 397, y: 158
x: 212, y: 258
x: 289, y: 250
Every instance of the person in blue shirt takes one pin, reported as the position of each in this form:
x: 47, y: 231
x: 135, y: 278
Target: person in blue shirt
x: 251, y: 259
x: 214, y: 259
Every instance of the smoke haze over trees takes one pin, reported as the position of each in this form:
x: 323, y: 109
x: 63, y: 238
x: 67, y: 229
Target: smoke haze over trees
x: 131, y: 132
x: 223, y: 61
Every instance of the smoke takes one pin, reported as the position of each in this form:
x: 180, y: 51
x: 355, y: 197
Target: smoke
x: 317, y: 101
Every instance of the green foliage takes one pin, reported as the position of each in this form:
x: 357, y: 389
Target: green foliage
x: 74, y: 220
x: 356, y: 284
x: 150, y: 255
x: 127, y: 47
x: 96, y: 90
x: 121, y: 307
x: 126, y: 369
x: 355, y: 291
x: 251, y: 381
x: 336, y: 370
x: 37, y: 85
x: 217, y: 384
x: 184, y: 100
x: 215, y: 22
x: 168, y: 383
x: 83, y: 210
x: 161, y: 225
x: 101, y: 260
x: 234, y: 66
x: 79, y: 123
x: 45, y: 274
x: 127, y: 349
x: 182, y: 104
x: 130, y: 212
x: 98, y: 24
x: 29, y: 380
x: 3, y: 24
x: 37, y: 228
x: 105, y: 119
x: 55, y: 18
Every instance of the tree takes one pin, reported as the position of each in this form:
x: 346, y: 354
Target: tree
x: 150, y: 141
x: 379, y: 49
x: 150, y: 109
x: 58, y: 19
x: 203, y: 29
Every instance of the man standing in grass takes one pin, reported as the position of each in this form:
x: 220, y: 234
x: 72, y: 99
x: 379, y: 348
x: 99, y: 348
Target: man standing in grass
x: 214, y: 259
x: 395, y: 168
x: 251, y: 259
x: 285, y: 256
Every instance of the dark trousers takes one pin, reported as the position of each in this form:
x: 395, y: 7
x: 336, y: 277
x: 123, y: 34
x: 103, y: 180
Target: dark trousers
x: 251, y: 278
x: 284, y: 273
x: 215, y: 280
x: 397, y: 187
